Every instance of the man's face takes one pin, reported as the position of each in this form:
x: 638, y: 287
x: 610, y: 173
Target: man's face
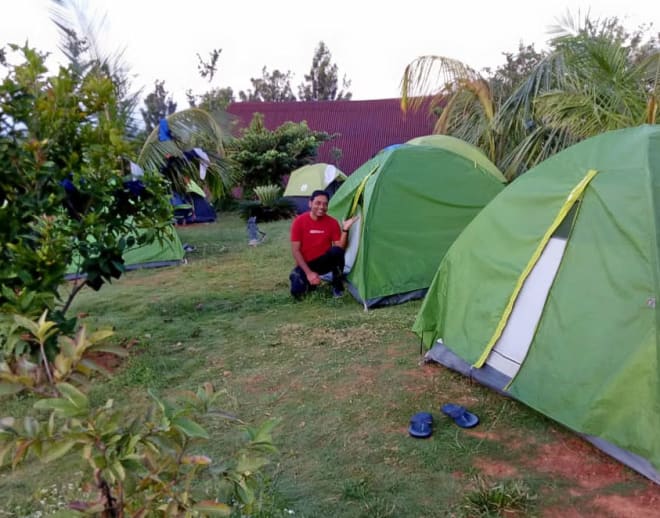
x: 318, y: 206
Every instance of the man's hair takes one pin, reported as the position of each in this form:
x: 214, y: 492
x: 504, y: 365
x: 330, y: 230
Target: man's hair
x: 319, y: 192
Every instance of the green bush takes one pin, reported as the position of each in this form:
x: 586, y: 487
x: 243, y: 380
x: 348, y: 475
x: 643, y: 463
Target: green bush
x: 267, y: 194
x: 279, y: 209
x: 264, y: 157
x: 139, y: 463
x: 65, y: 191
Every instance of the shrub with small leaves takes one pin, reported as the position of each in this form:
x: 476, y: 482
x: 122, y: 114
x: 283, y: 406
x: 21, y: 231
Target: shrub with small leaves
x: 138, y: 464
x: 141, y: 464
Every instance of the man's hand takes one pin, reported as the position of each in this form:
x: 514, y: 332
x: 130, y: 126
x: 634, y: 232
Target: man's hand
x: 313, y: 278
x: 348, y: 223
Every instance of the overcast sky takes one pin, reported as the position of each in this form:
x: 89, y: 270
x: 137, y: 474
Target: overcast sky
x: 371, y: 42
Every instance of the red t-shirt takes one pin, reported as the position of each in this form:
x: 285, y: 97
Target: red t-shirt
x: 315, y: 236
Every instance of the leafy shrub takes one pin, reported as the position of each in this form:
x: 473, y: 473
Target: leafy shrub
x: 65, y: 191
x: 498, y: 499
x: 38, y: 355
x: 267, y: 194
x: 280, y: 209
x: 264, y: 156
x: 139, y: 464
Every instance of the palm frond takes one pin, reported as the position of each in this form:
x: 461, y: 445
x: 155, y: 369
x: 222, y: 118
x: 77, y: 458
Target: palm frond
x: 79, y: 30
x: 191, y: 128
x: 464, y: 96
x: 434, y: 77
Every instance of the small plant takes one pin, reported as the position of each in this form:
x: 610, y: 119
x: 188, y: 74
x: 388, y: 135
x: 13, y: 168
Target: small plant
x: 355, y: 489
x: 138, y: 464
x: 269, y: 205
x: 505, y: 498
x: 267, y: 194
x: 36, y: 355
x: 141, y: 464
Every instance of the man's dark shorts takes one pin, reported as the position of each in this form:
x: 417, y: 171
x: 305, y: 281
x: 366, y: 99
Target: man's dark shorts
x: 330, y: 262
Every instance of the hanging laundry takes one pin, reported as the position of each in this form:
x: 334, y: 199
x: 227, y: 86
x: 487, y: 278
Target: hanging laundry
x: 136, y: 171
x: 204, y: 161
x: 164, y: 132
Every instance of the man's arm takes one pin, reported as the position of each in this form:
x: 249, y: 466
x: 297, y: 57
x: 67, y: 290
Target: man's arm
x: 345, y: 227
x: 312, y: 277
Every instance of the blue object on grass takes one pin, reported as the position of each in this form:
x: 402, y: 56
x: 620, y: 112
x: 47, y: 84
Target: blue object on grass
x: 460, y: 415
x: 421, y: 425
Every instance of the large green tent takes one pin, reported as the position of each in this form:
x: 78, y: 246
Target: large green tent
x: 549, y: 295
x: 414, y: 200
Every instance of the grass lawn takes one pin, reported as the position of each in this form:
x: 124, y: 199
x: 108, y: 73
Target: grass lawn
x: 344, y: 383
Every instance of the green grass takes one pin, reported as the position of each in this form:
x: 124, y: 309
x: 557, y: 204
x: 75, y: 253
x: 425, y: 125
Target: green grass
x: 344, y: 383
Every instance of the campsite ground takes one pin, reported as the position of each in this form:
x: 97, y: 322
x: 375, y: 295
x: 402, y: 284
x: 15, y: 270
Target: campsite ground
x: 344, y: 383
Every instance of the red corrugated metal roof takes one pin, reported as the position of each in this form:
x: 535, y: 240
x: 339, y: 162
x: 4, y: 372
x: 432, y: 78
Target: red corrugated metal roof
x: 364, y: 127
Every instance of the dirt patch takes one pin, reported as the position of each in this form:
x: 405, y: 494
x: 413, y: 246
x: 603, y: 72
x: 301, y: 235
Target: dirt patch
x: 575, y: 459
x: 646, y: 503
x: 487, y: 435
x: 358, y: 380
x: 566, y: 513
x: 420, y: 380
x: 254, y: 384
x: 109, y: 362
x: 495, y: 469
x: 362, y: 335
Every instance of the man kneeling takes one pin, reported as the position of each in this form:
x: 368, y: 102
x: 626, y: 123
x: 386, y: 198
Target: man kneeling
x: 317, y: 244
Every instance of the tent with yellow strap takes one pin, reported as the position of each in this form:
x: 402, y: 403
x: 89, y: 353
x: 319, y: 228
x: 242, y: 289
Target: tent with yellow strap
x: 549, y: 295
x: 414, y: 200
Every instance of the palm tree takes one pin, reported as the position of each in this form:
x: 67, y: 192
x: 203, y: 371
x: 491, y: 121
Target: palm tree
x: 596, y: 78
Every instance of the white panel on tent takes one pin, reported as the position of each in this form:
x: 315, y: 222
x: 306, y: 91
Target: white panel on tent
x: 510, y: 350
x: 329, y: 175
x: 353, y: 243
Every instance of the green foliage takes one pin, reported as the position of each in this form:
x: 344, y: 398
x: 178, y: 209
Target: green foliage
x: 145, y: 463
x: 265, y: 156
x: 207, y: 69
x: 596, y: 77
x: 215, y: 100
x: 267, y: 194
x: 321, y: 83
x: 277, y: 209
x: 36, y: 355
x: 63, y: 192
x: 158, y: 105
x: 498, y: 499
x: 273, y: 87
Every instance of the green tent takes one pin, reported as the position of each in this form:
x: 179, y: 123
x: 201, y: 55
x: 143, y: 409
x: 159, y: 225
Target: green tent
x: 167, y: 251
x: 414, y: 200
x: 549, y: 295
x: 309, y: 178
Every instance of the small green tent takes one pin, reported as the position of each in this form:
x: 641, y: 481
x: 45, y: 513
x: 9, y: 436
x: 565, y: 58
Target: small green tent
x: 167, y: 251
x: 549, y: 295
x: 414, y: 200
x: 309, y: 178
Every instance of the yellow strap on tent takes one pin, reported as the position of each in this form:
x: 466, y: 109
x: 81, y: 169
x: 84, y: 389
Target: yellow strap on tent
x: 572, y: 197
x: 360, y: 190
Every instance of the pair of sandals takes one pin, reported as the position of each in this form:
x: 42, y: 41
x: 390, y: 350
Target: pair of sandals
x: 421, y: 424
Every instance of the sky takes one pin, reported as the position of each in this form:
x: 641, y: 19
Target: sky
x: 370, y: 42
